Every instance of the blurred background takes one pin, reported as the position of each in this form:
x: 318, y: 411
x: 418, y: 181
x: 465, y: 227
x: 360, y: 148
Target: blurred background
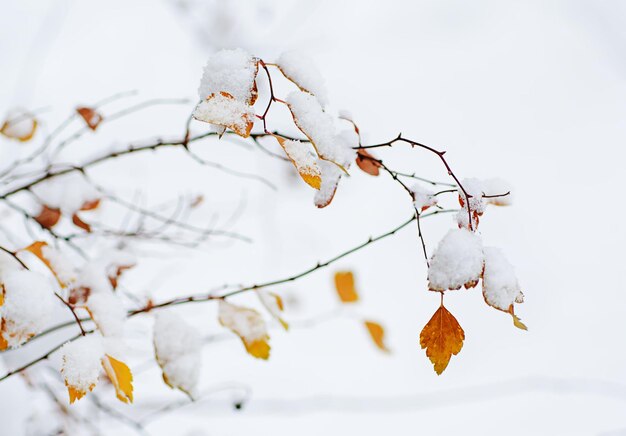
x: 533, y: 92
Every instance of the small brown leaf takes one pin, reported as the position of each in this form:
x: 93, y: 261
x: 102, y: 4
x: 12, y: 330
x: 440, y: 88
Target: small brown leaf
x: 367, y: 163
x: 377, y: 333
x: 91, y: 117
x: 442, y: 337
x: 90, y: 205
x: 78, y: 222
x: 116, y: 273
x: 344, y: 284
x: 48, y: 217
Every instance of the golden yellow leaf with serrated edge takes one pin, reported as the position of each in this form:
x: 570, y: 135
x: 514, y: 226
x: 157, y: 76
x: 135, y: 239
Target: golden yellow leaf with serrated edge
x: 76, y: 394
x: 120, y: 376
x: 442, y: 337
x: 304, y: 162
x: 36, y: 248
x: 249, y: 325
x: 377, y: 333
x: 344, y: 284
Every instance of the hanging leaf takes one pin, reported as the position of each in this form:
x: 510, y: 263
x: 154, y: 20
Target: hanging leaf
x: 52, y: 259
x: 20, y: 126
x: 48, y: 217
x: 91, y: 117
x: 344, y: 284
x: 516, y: 321
x: 377, y: 333
x: 120, y: 376
x: 116, y: 273
x: 249, y: 325
x: 367, y: 163
x: 442, y: 337
x: 273, y: 303
x: 90, y: 205
x: 304, y: 159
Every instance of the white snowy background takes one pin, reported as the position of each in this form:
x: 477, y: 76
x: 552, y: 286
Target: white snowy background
x: 534, y: 92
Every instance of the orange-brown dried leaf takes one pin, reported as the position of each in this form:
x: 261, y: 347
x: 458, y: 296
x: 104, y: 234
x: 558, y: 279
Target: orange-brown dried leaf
x: 120, y: 376
x: 78, y: 222
x: 114, y: 277
x: 442, y: 337
x: 91, y: 117
x: 90, y: 205
x: 48, y: 217
x: 310, y: 173
x: 367, y: 163
x: 242, y: 128
x: 36, y: 248
x: 344, y: 284
x: 377, y: 333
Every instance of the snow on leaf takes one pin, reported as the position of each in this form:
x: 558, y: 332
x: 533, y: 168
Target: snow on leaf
x: 232, y: 72
x: 249, y: 325
x: 121, y: 377
x: 90, y: 116
x: 457, y: 261
x: 377, y: 333
x: 177, y: 347
x: 366, y: 162
x: 344, y: 284
x: 422, y: 198
x: 273, y: 304
x: 19, y: 125
x: 54, y: 260
x: 107, y: 312
x: 80, y: 365
x: 48, y: 217
x: 301, y: 70
x: 442, y: 337
x: 304, y: 159
x: 331, y: 175
x: 223, y: 109
x: 500, y: 286
x: 28, y: 305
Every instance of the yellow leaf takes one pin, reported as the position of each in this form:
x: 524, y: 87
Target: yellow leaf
x: 76, y: 394
x: 442, y: 337
x: 36, y: 248
x: 377, y: 333
x: 249, y: 325
x: 303, y: 159
x: 516, y: 321
x: 344, y: 283
x: 120, y: 376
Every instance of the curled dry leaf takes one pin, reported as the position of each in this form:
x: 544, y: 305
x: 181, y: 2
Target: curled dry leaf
x: 121, y: 377
x: 48, y: 217
x: 367, y: 163
x: 90, y: 205
x: 377, y: 333
x: 249, y: 325
x: 442, y: 337
x: 20, y: 126
x: 91, y: 117
x: 78, y: 222
x: 116, y: 272
x: 303, y: 158
x: 344, y: 284
x: 224, y: 110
